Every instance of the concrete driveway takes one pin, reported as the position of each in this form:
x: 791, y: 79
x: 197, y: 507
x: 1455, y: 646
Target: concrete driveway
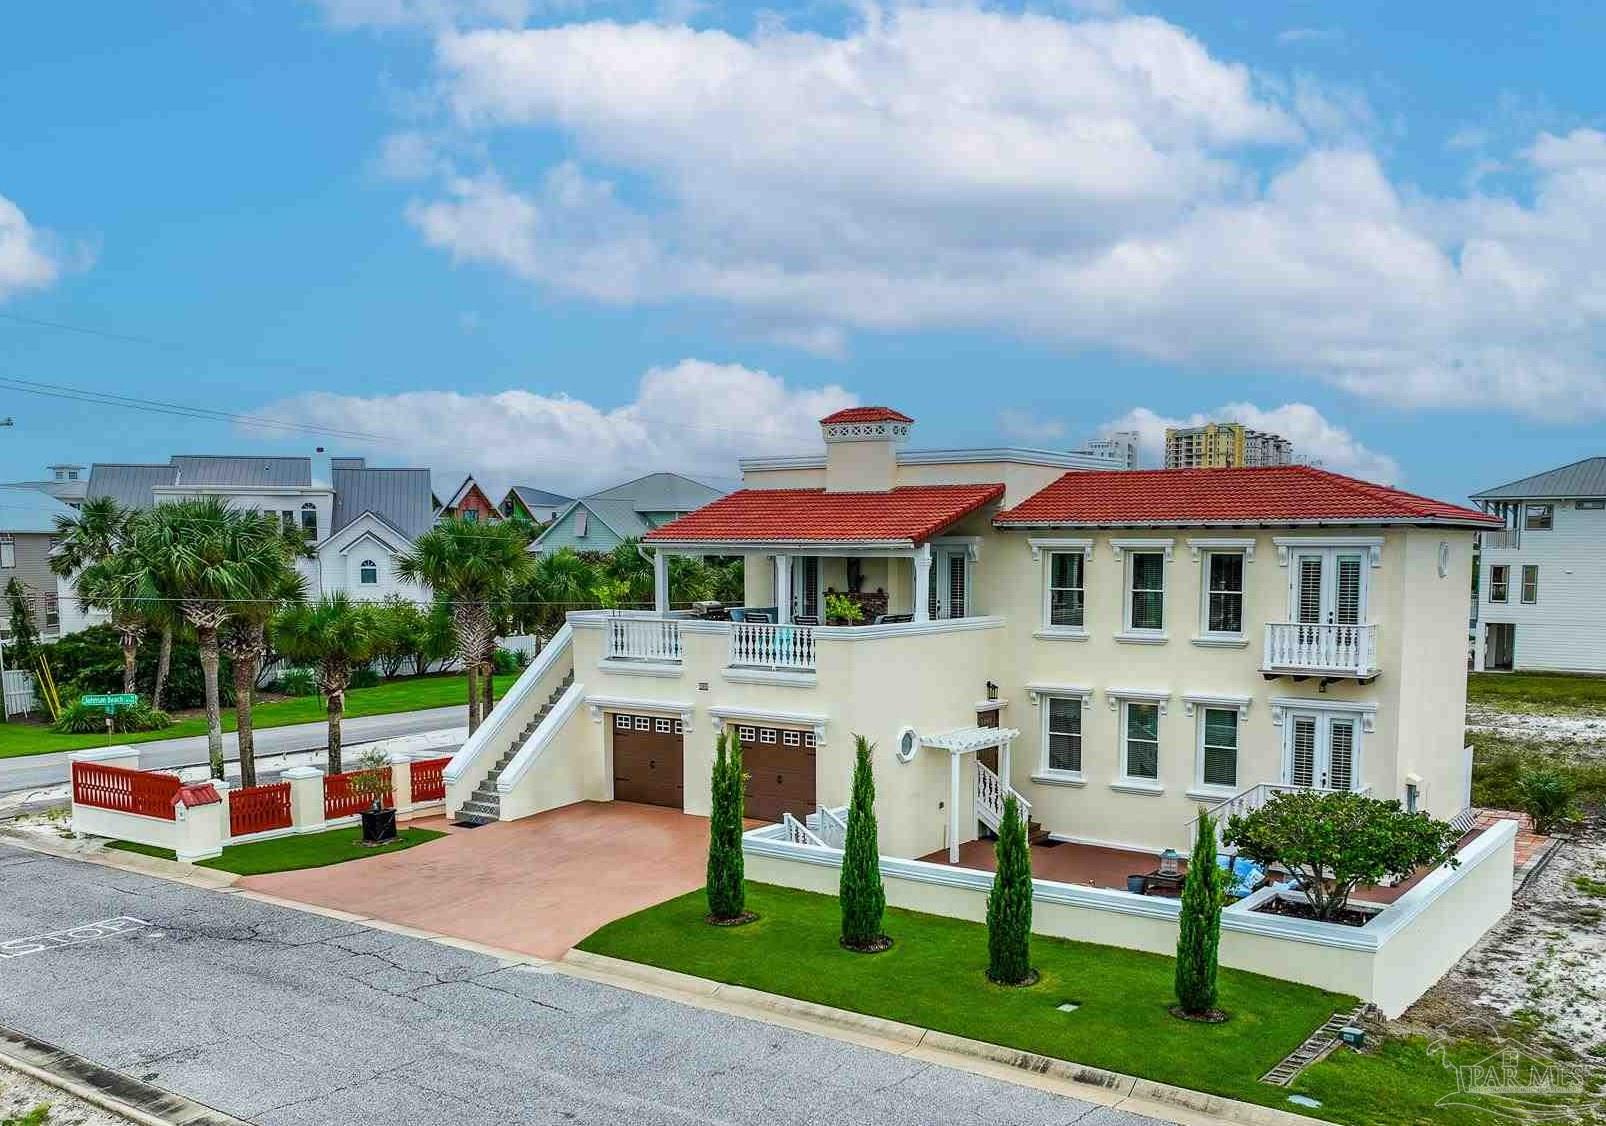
x: 537, y: 885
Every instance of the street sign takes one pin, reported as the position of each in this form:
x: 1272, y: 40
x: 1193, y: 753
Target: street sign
x: 113, y: 700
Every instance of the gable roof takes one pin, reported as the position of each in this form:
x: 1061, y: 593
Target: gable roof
x: 399, y: 497
x: 865, y: 414
x: 233, y: 469
x: 908, y: 515
x: 659, y: 492
x: 468, y: 486
x: 532, y: 497
x: 25, y: 509
x: 1273, y: 495
x: 1586, y: 478
x: 129, y: 485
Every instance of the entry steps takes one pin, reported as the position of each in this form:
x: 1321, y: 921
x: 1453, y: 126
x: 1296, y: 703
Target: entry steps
x: 484, y: 805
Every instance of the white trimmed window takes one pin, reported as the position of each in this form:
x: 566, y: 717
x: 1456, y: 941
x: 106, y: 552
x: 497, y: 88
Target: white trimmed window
x: 1062, y: 735
x: 1140, y: 741
x: 8, y: 552
x: 1218, y: 748
x: 1145, y: 592
x: 309, y: 520
x: 1223, y: 594
x: 368, y: 573
x: 1499, y: 582
x: 1067, y: 589
x: 1538, y: 517
x: 1530, y: 583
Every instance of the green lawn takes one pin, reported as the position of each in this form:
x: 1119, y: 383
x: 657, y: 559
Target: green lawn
x: 404, y: 695
x: 1538, y: 691
x: 933, y: 977
x: 288, y: 854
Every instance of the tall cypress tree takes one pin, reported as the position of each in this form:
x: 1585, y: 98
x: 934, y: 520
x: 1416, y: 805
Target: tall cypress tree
x: 1009, y: 904
x: 726, y: 887
x: 1199, y: 936
x: 863, y: 899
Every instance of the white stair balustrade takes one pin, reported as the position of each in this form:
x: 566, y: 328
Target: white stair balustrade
x: 830, y: 825
x: 990, y: 794
x: 799, y: 833
x: 1312, y: 647
x: 1252, y: 799
x: 757, y: 645
x: 636, y: 638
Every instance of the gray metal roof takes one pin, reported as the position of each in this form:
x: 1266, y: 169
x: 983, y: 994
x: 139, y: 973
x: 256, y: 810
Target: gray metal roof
x: 232, y: 469
x: 24, y: 509
x: 539, y: 498
x: 1585, y: 478
x: 658, y: 492
x: 129, y: 485
x: 400, y: 497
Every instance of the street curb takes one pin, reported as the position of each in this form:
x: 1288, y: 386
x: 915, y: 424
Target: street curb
x: 1090, y: 1084
x: 109, y: 1090
x: 189, y: 874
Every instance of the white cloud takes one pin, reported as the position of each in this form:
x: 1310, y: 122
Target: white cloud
x: 694, y: 418
x: 1315, y: 439
x: 1026, y: 426
x: 29, y: 258
x: 1095, y: 182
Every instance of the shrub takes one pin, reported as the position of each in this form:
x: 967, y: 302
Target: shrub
x: 509, y: 660
x: 1009, y: 904
x: 297, y: 681
x: 1547, y: 797
x: 363, y: 676
x: 860, y: 893
x: 726, y: 880
x: 1331, y: 842
x: 91, y: 660
x: 1199, y: 935
x: 842, y: 610
x: 81, y: 719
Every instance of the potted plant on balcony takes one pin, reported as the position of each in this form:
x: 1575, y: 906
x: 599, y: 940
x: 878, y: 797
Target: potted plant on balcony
x: 842, y: 610
x: 372, y: 780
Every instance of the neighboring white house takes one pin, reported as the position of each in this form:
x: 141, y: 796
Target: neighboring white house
x: 356, y: 519
x: 1542, y: 590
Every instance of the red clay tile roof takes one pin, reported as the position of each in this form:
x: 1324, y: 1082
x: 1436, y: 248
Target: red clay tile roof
x: 865, y: 414
x: 196, y: 793
x: 1288, y: 494
x: 911, y: 514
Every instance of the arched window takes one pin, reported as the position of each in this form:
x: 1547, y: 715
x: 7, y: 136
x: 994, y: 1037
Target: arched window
x: 309, y: 520
x: 368, y: 573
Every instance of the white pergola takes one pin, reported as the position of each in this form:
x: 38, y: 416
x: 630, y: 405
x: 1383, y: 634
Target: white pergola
x: 958, y: 743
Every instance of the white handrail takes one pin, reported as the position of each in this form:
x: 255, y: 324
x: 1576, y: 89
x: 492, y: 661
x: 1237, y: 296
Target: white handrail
x: 1258, y: 795
x: 799, y: 833
x: 990, y: 794
x: 761, y: 645
x: 497, y: 727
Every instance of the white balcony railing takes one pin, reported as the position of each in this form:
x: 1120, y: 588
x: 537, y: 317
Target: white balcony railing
x: 1335, y: 650
x: 990, y: 794
x: 755, y: 645
x: 1502, y: 538
x: 1253, y: 798
x: 644, y: 639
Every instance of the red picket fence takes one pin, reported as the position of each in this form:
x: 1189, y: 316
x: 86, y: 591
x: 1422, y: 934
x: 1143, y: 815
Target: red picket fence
x: 340, y: 800
x: 429, y: 779
x: 128, y: 791
x: 256, y: 809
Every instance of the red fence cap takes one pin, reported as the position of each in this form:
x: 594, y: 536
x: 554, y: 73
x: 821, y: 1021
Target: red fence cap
x: 196, y: 793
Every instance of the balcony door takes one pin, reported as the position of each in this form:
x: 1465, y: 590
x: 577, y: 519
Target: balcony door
x: 949, y: 594
x: 1329, y: 586
x: 1322, y: 750
x: 806, y: 587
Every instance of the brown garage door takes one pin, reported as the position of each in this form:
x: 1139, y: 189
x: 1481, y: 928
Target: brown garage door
x: 780, y: 771
x: 648, y: 760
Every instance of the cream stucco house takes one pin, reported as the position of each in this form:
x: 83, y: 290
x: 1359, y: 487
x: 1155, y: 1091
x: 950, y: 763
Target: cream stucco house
x: 1119, y: 647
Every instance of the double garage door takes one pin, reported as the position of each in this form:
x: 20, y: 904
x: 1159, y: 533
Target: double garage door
x: 649, y: 765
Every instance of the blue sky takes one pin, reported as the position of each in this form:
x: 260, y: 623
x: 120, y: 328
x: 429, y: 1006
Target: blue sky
x: 565, y: 244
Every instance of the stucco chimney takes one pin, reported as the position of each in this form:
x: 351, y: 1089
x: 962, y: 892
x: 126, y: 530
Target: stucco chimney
x: 861, y: 448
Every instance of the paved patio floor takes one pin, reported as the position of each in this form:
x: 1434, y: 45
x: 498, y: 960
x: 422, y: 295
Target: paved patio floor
x: 537, y: 885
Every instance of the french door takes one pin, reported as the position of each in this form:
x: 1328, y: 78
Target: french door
x: 949, y: 596
x: 806, y: 586
x: 1322, y: 750
x: 1329, y: 586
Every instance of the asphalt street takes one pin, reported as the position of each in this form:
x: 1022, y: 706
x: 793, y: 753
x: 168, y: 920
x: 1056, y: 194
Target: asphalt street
x: 34, y: 771
x: 278, y: 1016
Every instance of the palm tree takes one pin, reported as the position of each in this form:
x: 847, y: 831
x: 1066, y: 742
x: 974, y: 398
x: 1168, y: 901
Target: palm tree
x: 473, y: 567
x: 87, y: 547
x: 333, y: 634
x: 208, y: 556
x: 244, y: 638
x: 560, y: 581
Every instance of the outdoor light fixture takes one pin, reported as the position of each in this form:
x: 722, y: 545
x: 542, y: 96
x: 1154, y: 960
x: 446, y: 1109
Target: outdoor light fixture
x: 1168, y: 862
x: 992, y: 690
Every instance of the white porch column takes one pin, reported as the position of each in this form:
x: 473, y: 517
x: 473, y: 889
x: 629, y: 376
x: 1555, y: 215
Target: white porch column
x: 1003, y: 761
x: 1479, y: 646
x: 953, y: 808
x: 660, y: 582
x: 783, y: 588
x: 922, y: 605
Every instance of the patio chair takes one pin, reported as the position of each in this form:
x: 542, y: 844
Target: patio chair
x: 759, y: 617
x: 806, y: 620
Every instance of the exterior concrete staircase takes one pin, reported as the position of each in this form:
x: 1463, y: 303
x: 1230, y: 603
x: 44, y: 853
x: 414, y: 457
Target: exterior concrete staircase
x: 485, y: 804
